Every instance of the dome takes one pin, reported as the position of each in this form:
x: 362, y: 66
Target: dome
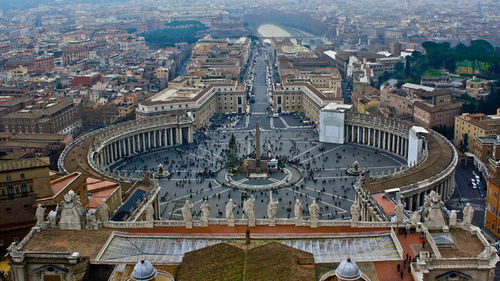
x: 144, y: 271
x: 348, y: 270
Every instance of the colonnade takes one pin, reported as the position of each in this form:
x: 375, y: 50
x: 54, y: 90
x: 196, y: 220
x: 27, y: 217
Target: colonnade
x: 378, y: 138
x: 392, y: 136
x: 136, y: 142
x: 445, y: 188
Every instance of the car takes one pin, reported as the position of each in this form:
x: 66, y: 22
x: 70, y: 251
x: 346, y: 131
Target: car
x: 276, y: 115
x: 474, y: 185
x: 472, y: 181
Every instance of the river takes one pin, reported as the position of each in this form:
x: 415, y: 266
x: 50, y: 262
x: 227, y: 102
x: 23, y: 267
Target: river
x: 271, y: 30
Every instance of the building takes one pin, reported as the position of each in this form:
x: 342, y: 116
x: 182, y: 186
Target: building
x: 50, y: 116
x: 477, y: 88
x: 487, y: 147
x: 201, y: 98
x: 219, y: 58
x: 398, y: 100
x: 21, y: 183
x: 39, y: 64
x: 85, y: 80
x: 301, y: 98
x: 72, y: 55
x: 366, y: 100
x: 330, y: 84
x: 470, y: 126
x: 492, y: 211
x: 436, y: 108
x: 434, y: 245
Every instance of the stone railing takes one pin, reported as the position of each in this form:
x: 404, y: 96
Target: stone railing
x: 223, y: 221
x: 431, y: 242
x: 389, y: 123
x: 439, y: 176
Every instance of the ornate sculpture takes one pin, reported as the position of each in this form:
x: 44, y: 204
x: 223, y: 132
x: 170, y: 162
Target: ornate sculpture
x: 229, y: 212
x: 249, y: 209
x: 71, y: 212
x: 52, y: 218
x: 468, y: 214
x: 271, y: 211
x: 298, y: 213
x: 453, y: 218
x: 205, y: 213
x: 40, y: 215
x: 187, y: 215
x: 150, y: 212
x: 314, y: 212
x: 355, y: 210
x: 104, y: 212
x: 91, y: 221
x: 400, y: 209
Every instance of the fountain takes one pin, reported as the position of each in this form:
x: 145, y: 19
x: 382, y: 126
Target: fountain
x: 160, y: 172
x: 355, y: 170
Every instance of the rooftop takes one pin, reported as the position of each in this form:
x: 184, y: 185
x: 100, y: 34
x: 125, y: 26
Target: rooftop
x: 440, y: 156
x: 12, y: 165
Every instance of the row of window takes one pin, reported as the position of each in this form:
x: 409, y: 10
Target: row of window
x: 11, y: 191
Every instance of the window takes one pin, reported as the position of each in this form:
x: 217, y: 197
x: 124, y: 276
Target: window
x: 10, y: 191
x: 9, y: 178
x: 24, y: 189
x: 22, y: 176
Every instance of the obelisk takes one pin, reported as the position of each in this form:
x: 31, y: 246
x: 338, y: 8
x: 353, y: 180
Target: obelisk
x: 257, y: 141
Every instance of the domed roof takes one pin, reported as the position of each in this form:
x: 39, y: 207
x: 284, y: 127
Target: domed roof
x: 144, y: 271
x: 348, y: 270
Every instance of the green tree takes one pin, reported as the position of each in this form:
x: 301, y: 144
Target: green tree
x: 232, y: 161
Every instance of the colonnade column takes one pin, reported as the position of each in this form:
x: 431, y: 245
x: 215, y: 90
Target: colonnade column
x: 143, y: 142
x: 165, y: 133
x: 383, y: 140
x: 369, y: 136
x: 154, y: 139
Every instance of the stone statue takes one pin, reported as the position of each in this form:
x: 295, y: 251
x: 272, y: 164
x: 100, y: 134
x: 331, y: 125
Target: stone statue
x: 297, y: 210
x: 229, y: 212
x: 52, y: 218
x: 205, y: 213
x: 104, y: 212
x: 453, y: 218
x: 249, y: 209
x: 355, y: 210
x: 468, y: 214
x: 271, y: 212
x: 314, y: 212
x: 150, y: 213
x: 400, y: 209
x: 40, y: 215
x: 187, y: 215
x: 91, y: 221
x: 71, y: 212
